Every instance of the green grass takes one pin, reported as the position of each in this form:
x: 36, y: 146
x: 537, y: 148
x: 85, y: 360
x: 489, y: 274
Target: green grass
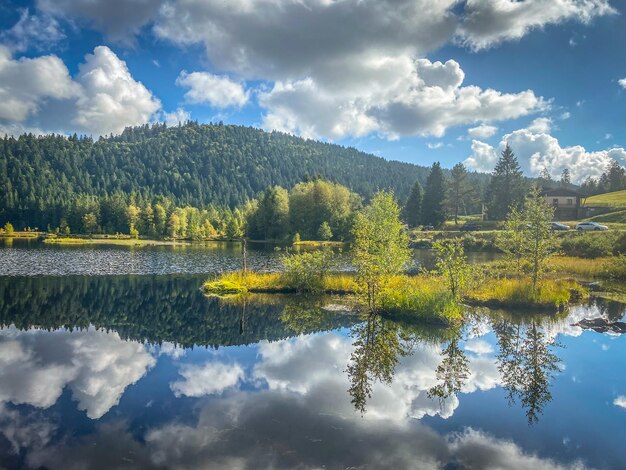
x: 277, y: 283
x: 518, y: 293
x: 616, y: 199
x: 66, y: 241
x: 315, y: 243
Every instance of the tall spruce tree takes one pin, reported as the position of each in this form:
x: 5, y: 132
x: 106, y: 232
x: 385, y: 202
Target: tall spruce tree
x: 433, y: 208
x: 460, y: 191
x: 565, y: 177
x: 413, y: 207
x: 506, y: 189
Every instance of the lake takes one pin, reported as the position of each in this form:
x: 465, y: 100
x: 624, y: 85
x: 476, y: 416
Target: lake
x: 127, y: 365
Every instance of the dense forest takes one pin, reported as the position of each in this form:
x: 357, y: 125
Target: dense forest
x: 198, y: 165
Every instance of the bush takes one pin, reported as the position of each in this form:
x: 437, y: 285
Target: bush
x: 616, y: 268
x: 588, y: 245
x: 305, y: 272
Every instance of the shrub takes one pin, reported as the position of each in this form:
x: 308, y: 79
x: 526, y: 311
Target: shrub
x: 615, y: 268
x: 588, y: 245
x: 305, y: 272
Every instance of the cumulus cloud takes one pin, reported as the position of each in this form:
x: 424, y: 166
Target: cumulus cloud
x: 111, y: 99
x: 622, y: 82
x: 422, y: 98
x: 27, y: 84
x: 484, y: 131
x: 102, y: 98
x: 207, y: 379
x: 97, y: 366
x: 536, y: 149
x: 488, y: 22
x: 218, y: 91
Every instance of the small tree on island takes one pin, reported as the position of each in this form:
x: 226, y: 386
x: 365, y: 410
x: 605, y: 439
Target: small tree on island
x: 8, y: 229
x: 381, y: 247
x: 541, y: 240
x: 528, y: 235
x: 512, y: 240
x: 452, y: 265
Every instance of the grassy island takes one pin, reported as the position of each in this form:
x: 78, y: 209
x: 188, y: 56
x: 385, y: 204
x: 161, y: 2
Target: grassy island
x: 380, y: 254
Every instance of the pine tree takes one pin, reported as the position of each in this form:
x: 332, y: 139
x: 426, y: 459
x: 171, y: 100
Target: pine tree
x: 412, y: 213
x: 565, y: 177
x: 433, y: 210
x: 460, y: 192
x: 506, y: 189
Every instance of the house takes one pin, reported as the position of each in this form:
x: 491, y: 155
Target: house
x: 566, y: 203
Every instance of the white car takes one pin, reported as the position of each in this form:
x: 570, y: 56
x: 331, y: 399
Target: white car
x: 591, y: 226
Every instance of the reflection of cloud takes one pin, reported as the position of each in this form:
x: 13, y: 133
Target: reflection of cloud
x: 278, y: 430
x: 314, y: 365
x: 478, y: 346
x: 24, y: 430
x: 620, y: 401
x: 474, y: 449
x: 172, y: 350
x: 36, y: 365
x: 207, y: 379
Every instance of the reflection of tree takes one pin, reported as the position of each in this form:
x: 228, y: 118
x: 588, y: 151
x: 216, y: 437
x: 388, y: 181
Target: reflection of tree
x: 378, y: 345
x: 526, y: 364
x: 147, y: 308
x: 452, y: 372
x: 302, y: 314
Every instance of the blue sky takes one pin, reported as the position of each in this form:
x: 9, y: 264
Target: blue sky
x: 406, y: 80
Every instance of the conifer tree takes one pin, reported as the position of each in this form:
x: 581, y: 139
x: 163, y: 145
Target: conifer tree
x: 460, y: 192
x: 506, y: 189
x: 413, y: 208
x: 433, y: 210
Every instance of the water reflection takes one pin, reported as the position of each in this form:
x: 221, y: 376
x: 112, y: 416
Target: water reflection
x: 527, y: 363
x: 105, y: 372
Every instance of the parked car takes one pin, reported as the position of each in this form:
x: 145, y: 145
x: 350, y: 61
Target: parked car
x: 591, y: 226
x: 558, y: 226
x: 470, y: 227
x: 428, y: 227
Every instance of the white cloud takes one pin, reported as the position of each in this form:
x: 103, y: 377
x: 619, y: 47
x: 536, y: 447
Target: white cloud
x: 434, y: 145
x: 620, y: 401
x: 489, y: 22
x: 103, y: 98
x: 484, y: 131
x: 536, y: 149
x: 541, y: 125
x: 622, y: 82
x: 176, y: 117
x: 38, y: 31
x: 218, y: 91
x: 419, y: 98
x: 28, y: 83
x: 111, y: 98
x: 97, y: 366
x: 565, y: 115
x: 211, y: 378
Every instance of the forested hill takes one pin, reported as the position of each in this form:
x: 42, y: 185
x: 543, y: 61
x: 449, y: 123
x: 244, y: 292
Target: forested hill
x: 195, y: 164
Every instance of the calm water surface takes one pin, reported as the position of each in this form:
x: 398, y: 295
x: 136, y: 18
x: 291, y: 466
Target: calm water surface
x: 143, y: 371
